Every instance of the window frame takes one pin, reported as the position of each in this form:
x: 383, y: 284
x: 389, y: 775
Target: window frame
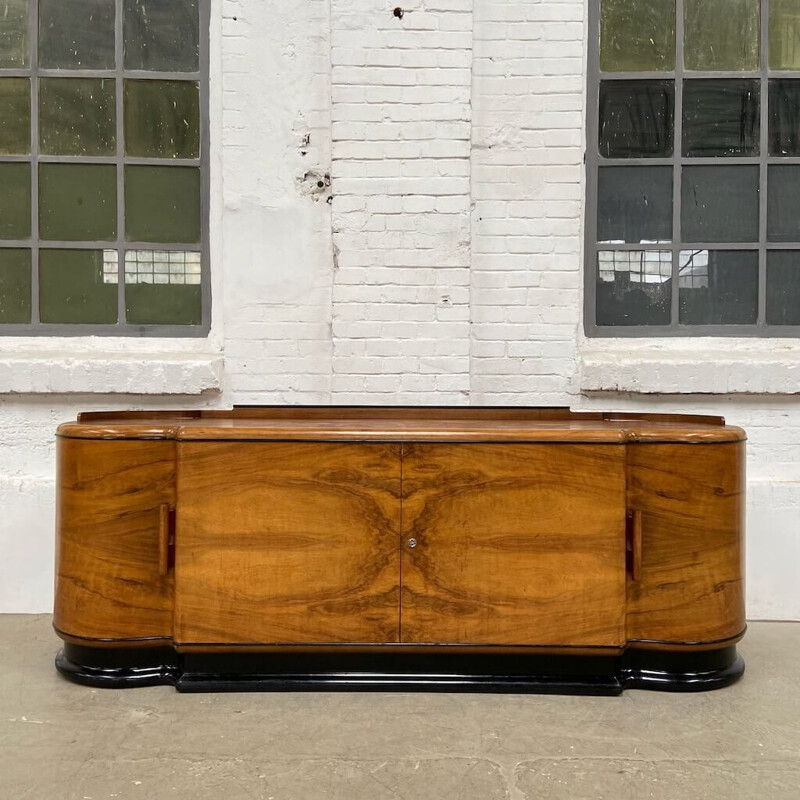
x: 677, y: 161
x: 39, y: 329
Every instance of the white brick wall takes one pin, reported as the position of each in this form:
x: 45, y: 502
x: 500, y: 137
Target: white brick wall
x: 446, y: 267
x: 527, y: 153
x: 274, y: 141
x: 401, y: 183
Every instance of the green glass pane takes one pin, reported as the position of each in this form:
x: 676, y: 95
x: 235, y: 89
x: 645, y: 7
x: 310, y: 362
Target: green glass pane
x: 14, y: 47
x: 722, y: 34
x: 15, y: 287
x: 77, y: 116
x: 162, y: 204
x: 784, y: 34
x: 637, y: 36
x: 76, y: 34
x: 78, y: 202
x: 162, y: 119
x: 15, y: 201
x: 163, y: 287
x: 15, y: 116
x: 74, y: 288
x: 162, y: 35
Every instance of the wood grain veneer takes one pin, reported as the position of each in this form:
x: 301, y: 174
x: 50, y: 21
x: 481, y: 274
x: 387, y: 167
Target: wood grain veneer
x: 691, y: 498
x: 519, y: 544
x: 288, y: 543
x: 109, y: 498
x: 279, y: 527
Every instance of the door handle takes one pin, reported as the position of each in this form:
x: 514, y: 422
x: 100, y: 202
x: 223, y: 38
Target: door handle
x: 634, y: 544
x: 165, y: 538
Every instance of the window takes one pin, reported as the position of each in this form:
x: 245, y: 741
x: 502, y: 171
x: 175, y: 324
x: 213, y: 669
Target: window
x: 103, y: 167
x: 693, y: 168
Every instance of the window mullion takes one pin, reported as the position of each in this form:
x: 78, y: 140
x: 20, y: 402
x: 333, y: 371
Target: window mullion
x: 33, y: 55
x: 677, y: 234
x: 120, y: 67
x: 764, y: 176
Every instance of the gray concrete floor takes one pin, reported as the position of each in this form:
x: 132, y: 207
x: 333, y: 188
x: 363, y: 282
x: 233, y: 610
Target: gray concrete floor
x: 66, y: 742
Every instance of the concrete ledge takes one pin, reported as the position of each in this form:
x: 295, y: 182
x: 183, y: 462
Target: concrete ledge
x: 111, y: 373
x: 690, y: 372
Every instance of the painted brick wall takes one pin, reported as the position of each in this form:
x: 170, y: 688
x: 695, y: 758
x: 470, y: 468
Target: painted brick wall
x: 401, y: 222
x: 528, y: 90
x: 274, y: 142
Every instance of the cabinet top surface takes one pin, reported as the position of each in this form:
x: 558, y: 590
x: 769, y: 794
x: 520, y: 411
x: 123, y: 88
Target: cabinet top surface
x: 412, y: 424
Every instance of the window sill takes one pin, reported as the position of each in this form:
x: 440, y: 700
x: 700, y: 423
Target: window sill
x: 139, y: 372
x: 706, y: 366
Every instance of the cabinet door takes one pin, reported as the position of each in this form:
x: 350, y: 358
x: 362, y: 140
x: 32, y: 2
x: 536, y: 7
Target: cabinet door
x: 513, y: 544
x: 110, y: 500
x: 287, y: 542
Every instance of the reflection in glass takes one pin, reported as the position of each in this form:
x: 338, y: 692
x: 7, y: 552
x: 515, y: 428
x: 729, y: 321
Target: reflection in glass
x: 162, y: 204
x: 783, y: 203
x: 162, y: 35
x: 73, y: 289
x: 718, y: 287
x: 720, y: 204
x: 722, y: 34
x: 637, y: 119
x: 721, y: 118
x: 77, y: 116
x: 162, y: 119
x: 637, y: 37
x: 634, y: 204
x: 634, y: 287
x: 783, y: 287
x: 110, y: 266
x: 15, y: 116
x: 15, y: 286
x: 784, y: 34
x: 784, y: 117
x: 14, y: 44
x: 163, y: 287
x: 15, y: 201
x: 78, y: 202
x: 76, y: 34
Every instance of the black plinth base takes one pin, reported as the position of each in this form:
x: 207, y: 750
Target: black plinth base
x: 370, y: 671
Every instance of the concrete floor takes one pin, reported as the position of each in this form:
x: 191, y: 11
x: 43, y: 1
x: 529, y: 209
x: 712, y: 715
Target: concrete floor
x: 59, y: 741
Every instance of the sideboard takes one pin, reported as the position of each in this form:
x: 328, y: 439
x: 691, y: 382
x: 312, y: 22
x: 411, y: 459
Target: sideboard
x: 490, y: 549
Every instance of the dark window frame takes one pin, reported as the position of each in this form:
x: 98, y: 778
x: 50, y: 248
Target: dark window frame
x: 677, y: 161
x: 120, y: 160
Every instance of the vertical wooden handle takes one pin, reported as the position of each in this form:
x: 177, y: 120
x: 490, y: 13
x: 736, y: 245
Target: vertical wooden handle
x: 163, y: 539
x: 635, y: 544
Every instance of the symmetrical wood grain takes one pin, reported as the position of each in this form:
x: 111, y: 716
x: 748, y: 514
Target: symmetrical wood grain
x: 691, y: 498
x: 108, y: 512
x: 293, y: 527
x: 520, y: 544
x: 287, y: 543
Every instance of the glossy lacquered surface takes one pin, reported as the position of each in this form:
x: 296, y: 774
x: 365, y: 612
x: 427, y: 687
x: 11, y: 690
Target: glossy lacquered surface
x: 330, y: 423
x: 539, y: 530
x: 439, y: 672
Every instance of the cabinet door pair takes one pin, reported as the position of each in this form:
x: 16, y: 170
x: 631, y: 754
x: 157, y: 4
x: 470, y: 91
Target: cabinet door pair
x: 307, y: 542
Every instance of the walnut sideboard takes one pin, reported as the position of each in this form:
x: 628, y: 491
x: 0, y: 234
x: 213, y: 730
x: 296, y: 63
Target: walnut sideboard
x: 449, y: 549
